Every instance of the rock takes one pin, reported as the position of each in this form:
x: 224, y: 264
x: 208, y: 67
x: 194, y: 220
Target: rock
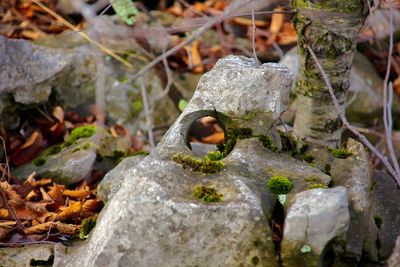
x: 201, y: 150
x: 316, y: 219
x: 31, y: 255
x: 224, y: 91
x: 364, y: 99
x: 394, y: 259
x: 356, y: 174
x: 113, y: 180
x: 384, y: 217
x: 73, y: 161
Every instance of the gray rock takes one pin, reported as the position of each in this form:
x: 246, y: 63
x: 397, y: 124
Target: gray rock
x: 384, y: 217
x: 224, y: 91
x: 26, y: 256
x: 394, y: 259
x: 113, y: 180
x: 356, y: 174
x: 314, y: 219
x: 364, y: 99
x: 202, y: 150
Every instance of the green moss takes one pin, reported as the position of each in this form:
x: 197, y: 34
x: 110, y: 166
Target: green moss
x: 215, y: 155
x: 139, y: 152
x: 255, y: 260
x: 327, y: 168
x: 136, y: 107
x: 200, y: 165
x: 82, y: 132
x: 308, y: 158
x: 313, y: 186
x: 231, y: 136
x: 340, y: 153
x: 279, y: 185
x: 53, y: 150
x: 289, y: 142
x: 267, y: 142
x: 207, y: 193
x: 378, y: 221
x: 39, y: 161
x: 311, y: 179
x: 87, y: 225
x: 86, y: 146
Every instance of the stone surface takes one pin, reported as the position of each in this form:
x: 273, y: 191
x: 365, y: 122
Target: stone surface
x: 356, y: 174
x: 113, y: 180
x: 26, y: 256
x: 364, y: 99
x: 394, y: 259
x: 313, y: 220
x: 241, y: 92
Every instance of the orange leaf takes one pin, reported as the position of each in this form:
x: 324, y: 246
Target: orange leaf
x: 59, y: 114
x: 25, y: 213
x: 216, y: 138
x: 249, y: 22
x: 74, y: 209
x: 11, y: 194
x: 45, y: 195
x: 77, y: 194
x: 56, y: 193
x: 38, y: 228
x: 37, y: 206
x: 31, y: 195
x: 4, y: 214
x: 68, y: 229
x: 41, y: 182
x: 92, y: 205
x: 63, y: 228
x: 276, y: 21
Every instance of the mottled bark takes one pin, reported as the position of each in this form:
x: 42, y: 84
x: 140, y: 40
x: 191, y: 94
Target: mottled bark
x: 331, y: 29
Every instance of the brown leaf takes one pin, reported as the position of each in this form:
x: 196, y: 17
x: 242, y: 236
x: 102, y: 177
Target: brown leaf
x: 249, y: 22
x: 91, y: 205
x: 216, y: 138
x: 68, y: 229
x: 41, y: 182
x: 4, y: 214
x: 3, y: 233
x: 56, y: 193
x: 29, y: 150
x: 37, y: 206
x: 38, y: 228
x: 276, y: 21
x: 26, y: 213
x: 58, y: 113
x: 77, y: 194
x: 45, y: 195
x: 11, y: 194
x: 63, y: 228
x: 31, y: 196
x: 74, y: 209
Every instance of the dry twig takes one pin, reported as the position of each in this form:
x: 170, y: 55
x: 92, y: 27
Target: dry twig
x: 347, y: 125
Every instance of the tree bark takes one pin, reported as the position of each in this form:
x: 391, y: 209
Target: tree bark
x: 330, y: 28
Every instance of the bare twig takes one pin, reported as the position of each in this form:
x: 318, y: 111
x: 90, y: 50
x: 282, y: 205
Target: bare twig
x: 253, y: 36
x: 190, y: 39
x: 83, y: 34
x: 387, y: 100
x: 346, y: 124
x: 149, y: 117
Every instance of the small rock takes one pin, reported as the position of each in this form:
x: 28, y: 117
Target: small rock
x: 314, y: 219
x: 27, y: 256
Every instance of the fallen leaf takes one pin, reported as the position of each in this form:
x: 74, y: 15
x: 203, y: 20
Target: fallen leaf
x: 56, y: 193
x: 31, y: 196
x: 77, y: 194
x: 3, y: 233
x: 216, y: 138
x: 25, y: 213
x: 37, y: 206
x: 11, y: 194
x: 58, y: 113
x: 29, y: 150
x: 45, y: 195
x: 74, y: 209
x: 249, y: 22
x: 4, y: 214
x: 276, y: 21
x: 91, y: 205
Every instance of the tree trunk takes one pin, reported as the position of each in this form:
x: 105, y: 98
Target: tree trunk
x: 330, y: 28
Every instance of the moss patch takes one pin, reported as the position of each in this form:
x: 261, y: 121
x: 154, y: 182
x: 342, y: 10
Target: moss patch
x: 87, y: 225
x: 340, y: 153
x: 82, y: 132
x: 215, y: 155
x: 39, y: 161
x: 255, y: 260
x: 200, y: 165
x: 313, y: 186
x: 378, y: 221
x: 207, y: 193
x: 279, y: 185
x: 267, y: 142
x: 231, y: 136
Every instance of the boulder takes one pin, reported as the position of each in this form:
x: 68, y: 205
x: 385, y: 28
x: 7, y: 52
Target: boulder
x: 32, y: 255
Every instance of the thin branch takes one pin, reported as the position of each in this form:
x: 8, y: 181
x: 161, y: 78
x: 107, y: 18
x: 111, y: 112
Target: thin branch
x: 346, y: 124
x: 253, y: 36
x: 149, y: 120
x: 190, y: 39
x: 83, y: 34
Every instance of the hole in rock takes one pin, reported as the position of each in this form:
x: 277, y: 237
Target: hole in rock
x: 204, y: 134
x: 276, y: 224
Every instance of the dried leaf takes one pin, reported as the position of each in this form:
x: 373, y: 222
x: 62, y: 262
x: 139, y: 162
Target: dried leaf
x: 58, y: 113
x: 91, y: 205
x: 26, y: 213
x: 41, y: 182
x: 56, y: 193
x: 11, y: 194
x: 37, y: 206
x: 31, y: 196
x: 74, y: 209
x: 3, y: 233
x: 45, y: 195
x: 31, y: 34
x: 249, y: 22
x: 68, y: 229
x: 38, y: 229
x: 4, y: 214
x: 77, y: 194
x: 29, y: 149
x: 216, y: 138
x: 276, y: 21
